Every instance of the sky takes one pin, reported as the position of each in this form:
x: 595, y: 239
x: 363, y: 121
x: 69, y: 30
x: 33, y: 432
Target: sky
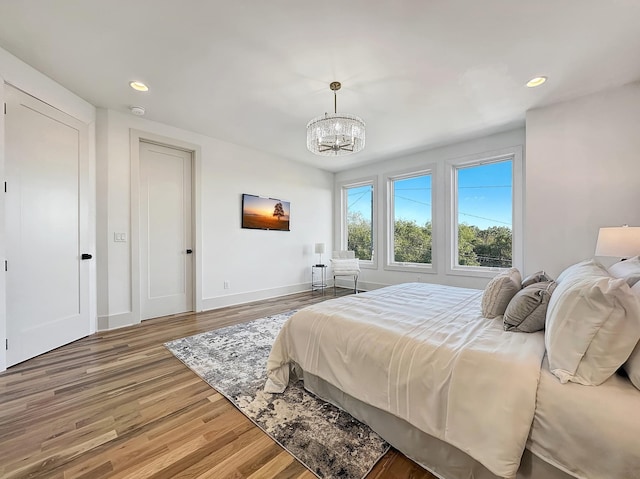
x: 484, y: 193
x: 256, y: 205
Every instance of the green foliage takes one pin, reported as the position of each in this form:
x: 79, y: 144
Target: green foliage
x: 490, y: 247
x: 493, y: 246
x: 412, y: 243
x: 359, y: 235
x: 467, y: 241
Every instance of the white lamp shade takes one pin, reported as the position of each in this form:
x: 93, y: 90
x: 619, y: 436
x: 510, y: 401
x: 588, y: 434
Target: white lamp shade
x: 319, y: 248
x: 619, y: 242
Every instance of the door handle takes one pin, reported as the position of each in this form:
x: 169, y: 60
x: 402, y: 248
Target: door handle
x: 86, y: 256
x: 189, y: 251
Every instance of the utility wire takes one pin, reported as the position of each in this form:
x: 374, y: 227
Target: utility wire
x: 358, y: 199
x: 459, y: 187
x: 492, y: 186
x: 484, y: 218
x: 352, y: 204
x: 459, y: 212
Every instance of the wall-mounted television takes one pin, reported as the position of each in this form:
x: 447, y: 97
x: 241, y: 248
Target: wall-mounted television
x: 264, y: 213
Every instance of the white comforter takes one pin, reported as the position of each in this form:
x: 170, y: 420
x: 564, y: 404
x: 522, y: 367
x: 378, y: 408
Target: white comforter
x: 424, y: 353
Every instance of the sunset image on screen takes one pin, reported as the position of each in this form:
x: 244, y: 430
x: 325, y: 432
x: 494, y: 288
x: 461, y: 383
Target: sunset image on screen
x: 265, y: 213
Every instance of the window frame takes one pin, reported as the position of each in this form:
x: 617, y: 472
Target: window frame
x: 517, y: 213
x: 343, y: 188
x: 390, y: 263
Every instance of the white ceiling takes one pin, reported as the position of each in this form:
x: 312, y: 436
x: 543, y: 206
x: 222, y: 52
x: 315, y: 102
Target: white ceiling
x: 420, y: 73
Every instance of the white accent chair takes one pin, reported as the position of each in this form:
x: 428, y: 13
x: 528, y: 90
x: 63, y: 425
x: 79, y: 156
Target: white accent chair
x: 345, y: 263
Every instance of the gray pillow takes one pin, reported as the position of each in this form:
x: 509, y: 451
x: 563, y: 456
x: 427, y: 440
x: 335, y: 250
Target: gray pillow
x: 535, y: 278
x: 499, y: 292
x: 527, y: 311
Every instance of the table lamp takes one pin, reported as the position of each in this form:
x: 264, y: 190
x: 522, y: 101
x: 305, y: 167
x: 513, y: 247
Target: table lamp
x: 320, y: 250
x: 620, y: 242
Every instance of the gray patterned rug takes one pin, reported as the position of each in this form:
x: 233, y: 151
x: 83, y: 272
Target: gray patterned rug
x: 327, y: 440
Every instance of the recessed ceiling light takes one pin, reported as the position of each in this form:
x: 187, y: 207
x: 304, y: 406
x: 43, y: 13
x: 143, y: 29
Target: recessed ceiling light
x: 139, y: 86
x: 537, y: 81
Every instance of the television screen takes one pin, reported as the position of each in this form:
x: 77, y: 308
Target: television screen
x: 264, y: 213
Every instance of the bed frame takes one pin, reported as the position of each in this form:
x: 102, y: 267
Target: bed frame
x: 436, y: 456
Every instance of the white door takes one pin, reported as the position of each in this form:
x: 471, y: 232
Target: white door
x: 165, y: 231
x: 46, y: 227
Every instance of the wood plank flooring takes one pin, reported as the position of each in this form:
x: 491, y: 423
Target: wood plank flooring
x: 117, y: 404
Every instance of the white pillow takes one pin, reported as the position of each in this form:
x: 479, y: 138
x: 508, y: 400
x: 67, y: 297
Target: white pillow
x: 592, y: 326
x: 632, y: 366
x: 629, y: 270
x: 579, y: 268
x: 499, y: 291
x: 350, y: 266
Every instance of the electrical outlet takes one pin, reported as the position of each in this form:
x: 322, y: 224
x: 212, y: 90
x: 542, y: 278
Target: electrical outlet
x: 227, y: 284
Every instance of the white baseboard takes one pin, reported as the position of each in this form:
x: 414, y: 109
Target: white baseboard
x: 115, y: 321
x: 249, y: 296
x: 122, y: 320
x: 362, y: 285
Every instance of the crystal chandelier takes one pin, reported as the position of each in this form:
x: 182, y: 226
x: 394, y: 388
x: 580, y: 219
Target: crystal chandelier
x: 334, y: 134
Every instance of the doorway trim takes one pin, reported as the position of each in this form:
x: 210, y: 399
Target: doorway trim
x: 136, y: 136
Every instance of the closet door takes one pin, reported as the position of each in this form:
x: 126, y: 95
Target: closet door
x: 166, y: 259
x: 46, y: 227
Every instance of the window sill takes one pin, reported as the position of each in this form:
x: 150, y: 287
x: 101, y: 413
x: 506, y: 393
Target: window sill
x: 411, y: 268
x: 475, y: 272
x: 368, y: 265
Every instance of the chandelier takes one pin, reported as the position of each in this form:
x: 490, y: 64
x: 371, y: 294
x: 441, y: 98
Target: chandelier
x: 334, y: 134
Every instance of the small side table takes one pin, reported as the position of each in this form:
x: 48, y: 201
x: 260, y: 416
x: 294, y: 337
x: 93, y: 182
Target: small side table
x: 318, y: 277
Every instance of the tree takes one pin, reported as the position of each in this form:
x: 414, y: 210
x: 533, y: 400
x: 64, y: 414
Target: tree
x: 490, y: 247
x: 494, y: 247
x: 278, y: 211
x: 412, y: 243
x: 359, y: 235
x: 467, y: 239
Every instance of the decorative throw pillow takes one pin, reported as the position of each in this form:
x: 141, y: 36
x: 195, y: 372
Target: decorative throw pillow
x: 632, y: 366
x: 538, y: 277
x: 593, y: 324
x: 351, y: 265
x: 628, y: 269
x: 527, y: 311
x: 499, y: 292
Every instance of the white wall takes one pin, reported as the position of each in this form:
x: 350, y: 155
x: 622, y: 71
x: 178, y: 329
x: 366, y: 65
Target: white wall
x: 29, y: 80
x: 258, y: 264
x: 582, y: 173
x: 378, y: 277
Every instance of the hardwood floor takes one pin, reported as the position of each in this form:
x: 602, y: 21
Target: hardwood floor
x: 117, y: 404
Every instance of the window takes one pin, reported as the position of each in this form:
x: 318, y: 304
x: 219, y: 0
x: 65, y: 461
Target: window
x: 359, y: 220
x: 486, y: 212
x: 410, y: 219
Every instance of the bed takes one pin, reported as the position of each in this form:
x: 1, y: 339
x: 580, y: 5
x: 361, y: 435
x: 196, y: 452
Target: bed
x: 454, y: 391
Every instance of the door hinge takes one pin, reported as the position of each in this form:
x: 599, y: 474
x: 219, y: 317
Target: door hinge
x: 5, y: 186
x: 5, y: 108
x: 6, y: 265
x: 6, y: 344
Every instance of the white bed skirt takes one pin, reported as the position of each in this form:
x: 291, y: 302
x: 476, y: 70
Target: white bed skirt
x: 436, y: 456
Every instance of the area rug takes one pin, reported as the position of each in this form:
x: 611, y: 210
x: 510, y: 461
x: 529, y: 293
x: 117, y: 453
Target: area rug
x: 327, y: 440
